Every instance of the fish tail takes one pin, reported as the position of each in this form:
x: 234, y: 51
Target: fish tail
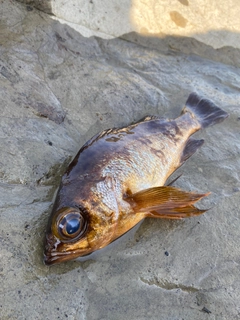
x: 205, y: 111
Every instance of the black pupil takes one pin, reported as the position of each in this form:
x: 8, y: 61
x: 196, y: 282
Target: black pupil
x: 73, y: 225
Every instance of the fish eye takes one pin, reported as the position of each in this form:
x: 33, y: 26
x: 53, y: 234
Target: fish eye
x: 71, y: 226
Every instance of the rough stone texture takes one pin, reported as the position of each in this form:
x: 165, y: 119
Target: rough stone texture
x: 216, y: 24
x: 57, y: 89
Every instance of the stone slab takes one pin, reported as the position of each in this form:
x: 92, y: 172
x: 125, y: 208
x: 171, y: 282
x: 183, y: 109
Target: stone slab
x: 57, y: 89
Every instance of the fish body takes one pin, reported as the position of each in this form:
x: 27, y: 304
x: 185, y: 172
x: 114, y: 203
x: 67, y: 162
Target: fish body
x: 117, y: 179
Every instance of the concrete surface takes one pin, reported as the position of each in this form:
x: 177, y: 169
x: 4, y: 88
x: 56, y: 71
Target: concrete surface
x: 211, y: 22
x: 57, y: 89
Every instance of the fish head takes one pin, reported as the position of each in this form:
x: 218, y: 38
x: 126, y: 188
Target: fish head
x: 65, y: 235
x: 73, y: 232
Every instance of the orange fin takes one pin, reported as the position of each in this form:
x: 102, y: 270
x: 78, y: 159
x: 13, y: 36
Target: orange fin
x: 176, y: 213
x: 166, y: 202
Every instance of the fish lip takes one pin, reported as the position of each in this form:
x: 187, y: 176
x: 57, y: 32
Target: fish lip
x: 52, y: 255
x: 57, y: 257
x: 51, y: 258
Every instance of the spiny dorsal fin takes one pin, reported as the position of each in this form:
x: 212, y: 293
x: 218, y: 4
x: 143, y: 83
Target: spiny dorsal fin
x: 113, y: 131
x: 149, y: 118
x: 165, y: 201
x: 104, y: 133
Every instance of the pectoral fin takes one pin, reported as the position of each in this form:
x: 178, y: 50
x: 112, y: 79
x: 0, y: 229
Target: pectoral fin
x: 176, y: 213
x: 166, y: 202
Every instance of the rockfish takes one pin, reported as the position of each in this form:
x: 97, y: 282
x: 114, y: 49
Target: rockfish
x: 117, y: 179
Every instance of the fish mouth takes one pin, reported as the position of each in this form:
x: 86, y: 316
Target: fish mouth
x: 55, y: 252
x: 57, y: 257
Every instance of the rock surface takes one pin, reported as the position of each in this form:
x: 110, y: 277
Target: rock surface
x: 216, y: 24
x: 57, y: 89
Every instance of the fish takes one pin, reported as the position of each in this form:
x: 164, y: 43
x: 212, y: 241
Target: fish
x: 118, y: 178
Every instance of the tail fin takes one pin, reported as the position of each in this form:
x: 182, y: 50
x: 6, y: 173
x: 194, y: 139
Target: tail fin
x: 206, y: 112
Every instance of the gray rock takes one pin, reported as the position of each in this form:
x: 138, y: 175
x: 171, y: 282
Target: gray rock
x: 57, y: 89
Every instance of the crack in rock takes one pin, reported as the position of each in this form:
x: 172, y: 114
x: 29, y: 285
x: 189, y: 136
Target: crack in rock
x: 164, y: 284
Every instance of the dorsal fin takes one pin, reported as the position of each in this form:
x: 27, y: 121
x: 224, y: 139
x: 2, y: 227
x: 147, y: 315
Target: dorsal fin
x: 149, y: 118
x: 95, y: 138
x: 117, y: 131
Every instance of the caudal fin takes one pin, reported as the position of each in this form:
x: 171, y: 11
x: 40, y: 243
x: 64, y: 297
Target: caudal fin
x: 206, y: 112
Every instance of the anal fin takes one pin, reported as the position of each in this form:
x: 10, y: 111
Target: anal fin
x: 190, y: 148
